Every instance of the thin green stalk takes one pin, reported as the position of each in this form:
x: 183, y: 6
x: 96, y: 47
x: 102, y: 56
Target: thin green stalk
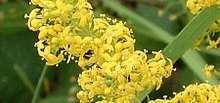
x: 23, y: 76
x: 37, y: 90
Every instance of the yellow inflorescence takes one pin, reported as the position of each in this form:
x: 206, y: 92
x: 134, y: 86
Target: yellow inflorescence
x: 211, y: 72
x: 208, y: 70
x: 61, y: 25
x: 195, y: 6
x: 202, y: 93
x: 120, y: 82
x: 114, y: 72
x: 213, y: 43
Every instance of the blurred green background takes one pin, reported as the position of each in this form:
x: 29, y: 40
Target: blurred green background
x: 20, y: 65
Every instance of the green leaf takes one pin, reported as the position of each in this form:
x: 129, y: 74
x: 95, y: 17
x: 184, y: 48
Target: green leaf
x: 23, y: 76
x: 192, y: 31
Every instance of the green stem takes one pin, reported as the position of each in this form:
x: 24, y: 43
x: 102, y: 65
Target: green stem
x: 37, y: 90
x: 23, y: 76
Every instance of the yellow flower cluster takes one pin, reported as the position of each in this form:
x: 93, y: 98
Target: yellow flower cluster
x: 122, y: 81
x: 202, y: 93
x: 210, y: 72
x: 195, y: 6
x: 61, y: 25
x: 114, y: 72
x: 213, y: 43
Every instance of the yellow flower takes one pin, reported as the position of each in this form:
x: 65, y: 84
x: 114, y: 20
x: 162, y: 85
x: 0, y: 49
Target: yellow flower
x: 59, y: 22
x: 202, y: 93
x: 213, y: 44
x: 114, y: 81
x: 100, y: 23
x: 51, y: 58
x: 84, y: 17
x: 33, y: 22
x: 208, y: 70
x: 196, y: 6
x: 211, y: 72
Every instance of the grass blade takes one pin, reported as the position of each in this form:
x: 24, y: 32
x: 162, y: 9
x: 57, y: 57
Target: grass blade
x: 194, y: 29
x: 37, y: 90
x: 23, y: 76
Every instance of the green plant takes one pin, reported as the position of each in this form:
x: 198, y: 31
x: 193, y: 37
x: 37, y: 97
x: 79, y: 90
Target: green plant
x: 104, y: 49
x: 113, y: 67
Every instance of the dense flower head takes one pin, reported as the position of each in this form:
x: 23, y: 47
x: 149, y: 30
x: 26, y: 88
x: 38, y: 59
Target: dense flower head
x: 61, y: 25
x: 196, y: 6
x: 114, y: 81
x: 113, y: 71
x: 202, y: 93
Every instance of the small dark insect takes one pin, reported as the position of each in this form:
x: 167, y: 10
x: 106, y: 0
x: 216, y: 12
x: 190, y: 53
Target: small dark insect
x: 129, y: 78
x: 122, y: 40
x: 88, y: 54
